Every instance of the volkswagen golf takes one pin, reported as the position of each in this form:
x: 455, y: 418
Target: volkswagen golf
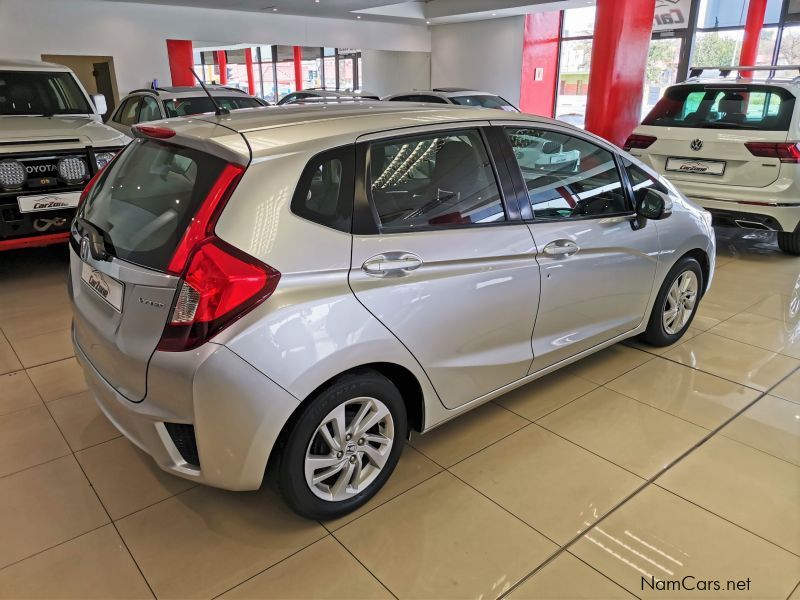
x: 304, y: 286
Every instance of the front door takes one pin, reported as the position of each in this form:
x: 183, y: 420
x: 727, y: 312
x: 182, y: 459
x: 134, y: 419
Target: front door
x: 597, y: 268
x: 447, y: 270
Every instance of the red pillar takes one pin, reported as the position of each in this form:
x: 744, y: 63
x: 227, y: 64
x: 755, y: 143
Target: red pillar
x: 181, y: 62
x: 540, y: 57
x: 622, y: 32
x: 222, y: 61
x: 756, y: 11
x: 298, y: 67
x: 251, y: 79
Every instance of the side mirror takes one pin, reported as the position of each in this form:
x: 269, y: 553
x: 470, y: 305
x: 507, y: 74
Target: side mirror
x: 100, y: 105
x: 652, y: 204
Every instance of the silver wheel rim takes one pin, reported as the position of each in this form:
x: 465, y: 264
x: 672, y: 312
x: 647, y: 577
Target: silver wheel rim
x: 680, y: 303
x: 349, y: 449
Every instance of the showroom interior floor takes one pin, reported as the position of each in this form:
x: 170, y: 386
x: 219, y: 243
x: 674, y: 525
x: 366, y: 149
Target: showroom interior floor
x: 560, y: 485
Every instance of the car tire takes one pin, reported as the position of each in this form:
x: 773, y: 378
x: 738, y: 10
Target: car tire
x: 316, y: 446
x: 789, y: 241
x: 676, y: 304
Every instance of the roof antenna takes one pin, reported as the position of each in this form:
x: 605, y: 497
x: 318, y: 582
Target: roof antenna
x: 219, y: 110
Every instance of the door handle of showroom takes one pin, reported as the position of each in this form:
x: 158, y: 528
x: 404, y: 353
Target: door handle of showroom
x: 561, y: 248
x: 391, y: 264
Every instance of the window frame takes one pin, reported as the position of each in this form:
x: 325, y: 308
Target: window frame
x: 523, y: 197
x: 346, y: 154
x: 366, y: 220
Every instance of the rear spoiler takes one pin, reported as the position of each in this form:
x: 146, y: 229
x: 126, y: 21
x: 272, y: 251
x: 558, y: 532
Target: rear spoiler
x: 725, y: 71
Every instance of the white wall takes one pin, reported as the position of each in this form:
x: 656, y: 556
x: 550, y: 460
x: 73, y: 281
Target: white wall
x: 485, y: 55
x: 389, y: 72
x: 135, y: 34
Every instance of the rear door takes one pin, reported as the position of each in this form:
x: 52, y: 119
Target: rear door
x: 138, y: 211
x: 701, y: 132
x: 443, y: 261
x: 597, y: 267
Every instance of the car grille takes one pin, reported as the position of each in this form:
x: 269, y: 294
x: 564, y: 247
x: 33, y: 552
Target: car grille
x: 183, y: 437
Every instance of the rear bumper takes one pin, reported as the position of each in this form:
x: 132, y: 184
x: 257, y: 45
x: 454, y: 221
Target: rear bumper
x: 34, y: 241
x: 752, y: 214
x: 236, y: 413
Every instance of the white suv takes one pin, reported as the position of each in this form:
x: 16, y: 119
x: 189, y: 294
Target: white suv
x: 731, y: 145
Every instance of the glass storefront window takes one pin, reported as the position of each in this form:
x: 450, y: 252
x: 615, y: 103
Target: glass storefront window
x: 329, y: 60
x: 578, y: 22
x: 789, y: 53
x: 723, y: 48
x: 573, y: 80
x: 663, y: 59
x: 311, y: 67
x: 733, y: 13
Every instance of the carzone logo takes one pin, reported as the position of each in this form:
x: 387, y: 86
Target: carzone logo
x: 671, y: 14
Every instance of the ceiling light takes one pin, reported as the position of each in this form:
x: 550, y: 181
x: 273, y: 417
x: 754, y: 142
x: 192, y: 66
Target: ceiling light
x: 427, y: 22
x: 494, y: 14
x: 358, y: 17
x: 274, y: 10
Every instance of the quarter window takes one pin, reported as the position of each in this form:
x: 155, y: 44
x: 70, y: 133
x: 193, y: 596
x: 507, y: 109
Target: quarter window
x: 567, y: 177
x: 325, y: 192
x: 149, y: 111
x: 433, y: 180
x: 130, y: 111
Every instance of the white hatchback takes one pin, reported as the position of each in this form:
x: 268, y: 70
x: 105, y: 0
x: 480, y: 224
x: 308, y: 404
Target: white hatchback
x: 731, y: 145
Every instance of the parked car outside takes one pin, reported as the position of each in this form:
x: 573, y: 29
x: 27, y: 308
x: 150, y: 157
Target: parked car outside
x: 326, y: 96
x: 307, y: 286
x: 733, y: 146
x: 154, y: 104
x: 52, y: 141
x: 458, y: 96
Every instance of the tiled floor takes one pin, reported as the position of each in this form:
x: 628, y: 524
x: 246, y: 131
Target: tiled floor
x: 634, y: 468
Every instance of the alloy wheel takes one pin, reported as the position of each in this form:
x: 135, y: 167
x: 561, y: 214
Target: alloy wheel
x: 680, y: 302
x: 349, y: 449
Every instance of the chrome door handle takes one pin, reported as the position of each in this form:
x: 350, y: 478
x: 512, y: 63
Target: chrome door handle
x: 391, y: 264
x: 561, y: 248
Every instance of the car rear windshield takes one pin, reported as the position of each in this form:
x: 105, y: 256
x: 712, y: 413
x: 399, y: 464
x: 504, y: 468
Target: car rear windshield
x: 181, y: 107
x: 483, y: 101
x: 41, y: 93
x: 145, y: 200
x: 758, y: 107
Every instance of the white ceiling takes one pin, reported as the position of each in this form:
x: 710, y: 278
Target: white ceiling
x: 433, y: 12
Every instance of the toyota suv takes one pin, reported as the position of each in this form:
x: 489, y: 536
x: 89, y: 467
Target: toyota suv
x: 733, y: 146
x: 307, y: 284
x: 52, y: 141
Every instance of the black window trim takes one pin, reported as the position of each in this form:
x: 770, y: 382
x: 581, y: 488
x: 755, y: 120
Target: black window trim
x: 347, y: 155
x: 519, y: 180
x: 366, y: 220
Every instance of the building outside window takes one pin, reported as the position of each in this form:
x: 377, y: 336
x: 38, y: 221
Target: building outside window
x: 575, y: 58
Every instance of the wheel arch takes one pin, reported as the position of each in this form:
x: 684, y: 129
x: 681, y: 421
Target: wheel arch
x: 701, y: 256
x: 405, y: 381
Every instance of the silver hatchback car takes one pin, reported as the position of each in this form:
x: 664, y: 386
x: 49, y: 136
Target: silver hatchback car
x: 307, y: 285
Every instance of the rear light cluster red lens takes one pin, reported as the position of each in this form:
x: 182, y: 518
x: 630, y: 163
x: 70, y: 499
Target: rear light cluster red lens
x: 639, y: 141
x: 155, y: 131
x: 787, y: 152
x: 220, y: 283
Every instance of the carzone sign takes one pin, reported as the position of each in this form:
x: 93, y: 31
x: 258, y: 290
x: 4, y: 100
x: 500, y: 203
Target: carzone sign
x: 671, y: 14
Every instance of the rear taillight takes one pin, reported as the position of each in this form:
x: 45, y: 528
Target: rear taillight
x: 154, y: 131
x: 221, y: 284
x: 786, y: 152
x: 639, y: 141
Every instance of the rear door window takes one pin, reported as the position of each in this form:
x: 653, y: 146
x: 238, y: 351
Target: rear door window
x: 438, y: 179
x: 143, y: 203
x: 748, y: 107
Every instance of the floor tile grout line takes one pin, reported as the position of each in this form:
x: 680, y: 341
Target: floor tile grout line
x: 650, y: 481
x: 593, y: 568
x: 726, y: 519
x: 275, y: 564
x: 797, y: 587
x: 56, y: 545
x: 366, y: 568
x: 46, y: 462
x: 759, y: 450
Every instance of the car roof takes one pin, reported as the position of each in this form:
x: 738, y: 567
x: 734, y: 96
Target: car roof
x: 445, y: 93
x: 30, y: 65
x: 788, y: 83
x: 189, y: 92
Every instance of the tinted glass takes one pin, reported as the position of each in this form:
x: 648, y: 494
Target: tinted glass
x: 129, y: 111
x: 146, y: 199
x: 181, y: 107
x: 433, y: 180
x: 754, y: 107
x: 149, y: 110
x: 38, y: 93
x: 325, y: 192
x: 641, y: 179
x: 567, y: 177
x: 483, y: 102
x: 420, y: 98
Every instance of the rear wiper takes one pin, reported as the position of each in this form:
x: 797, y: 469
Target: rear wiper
x: 96, y: 239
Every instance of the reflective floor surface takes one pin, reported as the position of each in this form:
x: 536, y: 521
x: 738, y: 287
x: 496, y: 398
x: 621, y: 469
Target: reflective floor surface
x: 626, y: 475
